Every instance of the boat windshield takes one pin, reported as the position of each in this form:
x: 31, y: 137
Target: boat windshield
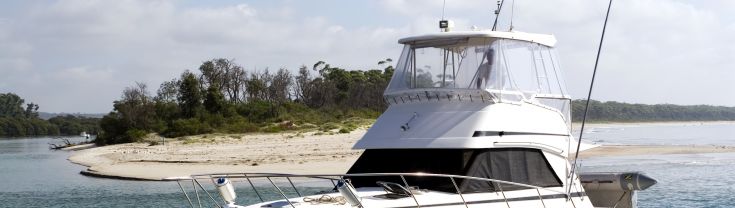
x: 505, y: 66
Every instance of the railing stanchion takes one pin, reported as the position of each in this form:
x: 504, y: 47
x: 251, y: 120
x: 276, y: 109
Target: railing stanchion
x: 196, y: 192
x: 541, y: 198
x: 253, y: 186
x: 208, y: 194
x: 409, y: 191
x: 280, y: 191
x: 334, y: 185
x: 500, y: 186
x: 294, y: 187
x: 186, y: 195
x: 458, y: 192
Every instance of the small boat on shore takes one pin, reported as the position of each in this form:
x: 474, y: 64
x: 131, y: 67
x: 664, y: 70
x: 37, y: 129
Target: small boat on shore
x: 475, y: 119
x: 84, y: 134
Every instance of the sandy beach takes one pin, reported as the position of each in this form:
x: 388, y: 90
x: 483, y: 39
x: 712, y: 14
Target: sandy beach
x: 287, y: 152
x: 283, y: 152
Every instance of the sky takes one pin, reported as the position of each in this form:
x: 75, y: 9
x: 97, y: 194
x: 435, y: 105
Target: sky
x: 78, y: 55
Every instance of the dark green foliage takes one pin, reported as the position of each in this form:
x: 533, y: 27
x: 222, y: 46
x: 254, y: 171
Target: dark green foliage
x: 72, y: 125
x: 223, y: 99
x: 15, y: 120
x: 258, y: 111
x: 11, y: 105
x: 190, y: 95
x: 134, y: 115
x: 624, y: 112
x: 183, y: 127
x: 215, y: 101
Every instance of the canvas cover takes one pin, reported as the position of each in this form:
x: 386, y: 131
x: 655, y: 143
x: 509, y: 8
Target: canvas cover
x: 521, y: 165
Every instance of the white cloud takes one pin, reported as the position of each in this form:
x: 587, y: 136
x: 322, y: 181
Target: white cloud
x: 655, y: 51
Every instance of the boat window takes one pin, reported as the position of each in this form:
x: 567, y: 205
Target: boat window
x: 521, y: 165
x: 512, y: 70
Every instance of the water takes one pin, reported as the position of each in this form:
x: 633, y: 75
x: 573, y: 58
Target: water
x: 33, y: 176
x: 684, y: 180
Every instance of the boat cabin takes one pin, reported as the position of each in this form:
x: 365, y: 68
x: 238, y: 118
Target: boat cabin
x: 483, y: 104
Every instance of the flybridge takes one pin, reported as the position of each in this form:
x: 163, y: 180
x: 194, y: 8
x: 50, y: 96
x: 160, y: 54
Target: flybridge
x: 544, y: 39
x: 480, y: 66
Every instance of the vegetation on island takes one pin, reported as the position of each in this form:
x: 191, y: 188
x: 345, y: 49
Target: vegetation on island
x: 224, y: 97
x: 612, y: 111
x: 18, y: 118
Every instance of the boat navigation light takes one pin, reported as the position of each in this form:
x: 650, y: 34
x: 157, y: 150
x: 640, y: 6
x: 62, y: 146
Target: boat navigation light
x: 446, y: 25
x: 225, y: 189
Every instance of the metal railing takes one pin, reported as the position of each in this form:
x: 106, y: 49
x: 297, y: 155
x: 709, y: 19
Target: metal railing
x: 195, y: 180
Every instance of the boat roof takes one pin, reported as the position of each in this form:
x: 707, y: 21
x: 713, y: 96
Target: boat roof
x: 543, y: 39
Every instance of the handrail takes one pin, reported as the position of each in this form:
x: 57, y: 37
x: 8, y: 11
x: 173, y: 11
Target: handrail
x: 326, y: 176
x: 334, y: 177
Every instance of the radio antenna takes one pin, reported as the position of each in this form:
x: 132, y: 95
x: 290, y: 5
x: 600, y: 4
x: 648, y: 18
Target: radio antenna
x: 497, y: 13
x: 512, y: 12
x: 589, y: 95
x: 444, y: 5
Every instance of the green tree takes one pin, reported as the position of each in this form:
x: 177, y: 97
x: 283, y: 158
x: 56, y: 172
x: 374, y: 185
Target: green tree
x: 190, y: 95
x: 214, y: 101
x: 11, y: 105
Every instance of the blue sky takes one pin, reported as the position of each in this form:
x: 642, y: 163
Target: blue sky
x: 78, y: 55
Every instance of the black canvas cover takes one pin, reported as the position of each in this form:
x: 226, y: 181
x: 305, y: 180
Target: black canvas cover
x: 521, y: 165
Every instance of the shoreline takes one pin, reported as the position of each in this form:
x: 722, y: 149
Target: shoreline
x: 293, y: 152
x: 576, y: 125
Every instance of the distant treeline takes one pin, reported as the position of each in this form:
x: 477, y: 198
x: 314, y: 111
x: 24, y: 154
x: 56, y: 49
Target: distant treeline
x: 624, y: 112
x: 223, y: 97
x: 46, y: 115
x: 20, y: 119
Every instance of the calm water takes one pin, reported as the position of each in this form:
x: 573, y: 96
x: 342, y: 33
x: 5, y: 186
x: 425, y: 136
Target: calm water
x: 33, y: 176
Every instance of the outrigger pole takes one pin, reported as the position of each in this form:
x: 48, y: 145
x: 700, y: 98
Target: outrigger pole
x: 497, y: 13
x: 589, y: 95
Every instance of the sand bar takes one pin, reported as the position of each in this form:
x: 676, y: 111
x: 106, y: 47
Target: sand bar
x: 301, y: 153
x: 218, y: 153
x: 623, y: 150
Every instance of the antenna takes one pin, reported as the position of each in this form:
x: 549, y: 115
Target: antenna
x: 589, y: 95
x: 497, y: 13
x: 444, y: 5
x: 512, y: 11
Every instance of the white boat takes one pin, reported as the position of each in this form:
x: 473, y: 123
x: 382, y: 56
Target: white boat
x: 476, y: 119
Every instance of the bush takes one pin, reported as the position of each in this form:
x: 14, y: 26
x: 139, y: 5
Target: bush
x: 185, y: 127
x: 135, y: 135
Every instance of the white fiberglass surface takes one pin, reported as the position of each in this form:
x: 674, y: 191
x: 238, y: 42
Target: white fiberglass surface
x: 525, y: 198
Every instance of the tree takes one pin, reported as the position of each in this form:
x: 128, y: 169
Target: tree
x: 280, y: 84
x: 234, y: 83
x: 302, y: 87
x: 190, y: 96
x: 136, y: 107
x: 168, y: 91
x: 257, y: 86
x: 31, y: 110
x: 214, y: 101
x: 11, y: 105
